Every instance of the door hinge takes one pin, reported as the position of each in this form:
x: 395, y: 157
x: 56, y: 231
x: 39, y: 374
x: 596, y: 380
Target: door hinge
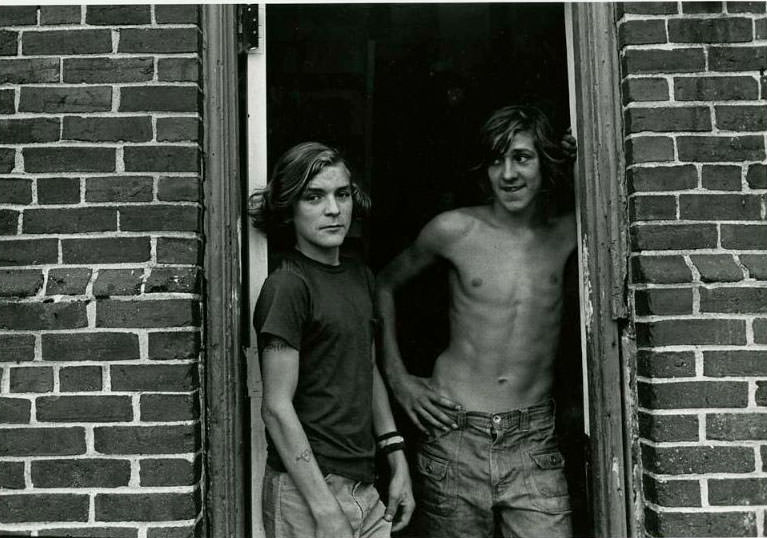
x: 249, y: 32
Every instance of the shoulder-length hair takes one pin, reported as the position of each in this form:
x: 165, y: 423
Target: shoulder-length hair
x: 271, y: 208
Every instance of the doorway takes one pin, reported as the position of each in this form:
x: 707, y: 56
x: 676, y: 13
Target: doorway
x: 403, y: 89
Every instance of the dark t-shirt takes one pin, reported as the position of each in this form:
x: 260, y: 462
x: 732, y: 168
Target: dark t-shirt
x: 326, y: 313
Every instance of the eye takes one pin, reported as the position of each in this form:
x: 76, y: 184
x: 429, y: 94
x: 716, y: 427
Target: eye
x: 312, y: 198
x: 344, y: 194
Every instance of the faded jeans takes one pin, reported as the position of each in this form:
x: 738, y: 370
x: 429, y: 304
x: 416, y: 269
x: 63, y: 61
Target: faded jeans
x: 286, y: 514
x: 503, y: 466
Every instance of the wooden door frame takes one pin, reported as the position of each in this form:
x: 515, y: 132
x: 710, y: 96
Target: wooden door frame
x: 601, y: 198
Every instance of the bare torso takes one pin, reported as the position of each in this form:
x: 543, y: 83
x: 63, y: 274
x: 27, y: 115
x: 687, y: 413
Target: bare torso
x: 505, y: 310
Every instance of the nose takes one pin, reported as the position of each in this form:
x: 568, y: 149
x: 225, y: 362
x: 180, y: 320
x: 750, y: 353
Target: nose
x: 509, y: 170
x: 331, y: 208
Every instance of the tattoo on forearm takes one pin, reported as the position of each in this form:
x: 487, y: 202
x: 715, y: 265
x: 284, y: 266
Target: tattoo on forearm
x: 276, y: 344
x: 306, y: 455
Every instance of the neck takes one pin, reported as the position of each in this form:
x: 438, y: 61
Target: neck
x: 327, y: 256
x: 529, y: 217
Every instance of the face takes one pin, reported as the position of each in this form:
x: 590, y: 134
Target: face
x: 515, y: 177
x: 322, y: 215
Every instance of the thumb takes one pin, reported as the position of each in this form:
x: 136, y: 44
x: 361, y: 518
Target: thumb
x: 391, y: 508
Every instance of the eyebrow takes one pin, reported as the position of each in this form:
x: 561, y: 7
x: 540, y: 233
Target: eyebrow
x: 315, y: 190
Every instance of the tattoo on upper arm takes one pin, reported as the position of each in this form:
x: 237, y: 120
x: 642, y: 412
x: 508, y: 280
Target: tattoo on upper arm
x: 275, y: 343
x: 306, y: 455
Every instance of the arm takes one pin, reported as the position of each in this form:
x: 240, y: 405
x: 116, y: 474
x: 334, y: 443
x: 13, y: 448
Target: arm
x: 400, y: 505
x: 280, y: 375
x: 416, y: 396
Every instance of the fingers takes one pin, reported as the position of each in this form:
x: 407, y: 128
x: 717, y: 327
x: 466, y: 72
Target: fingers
x: 391, y: 507
x: 415, y: 420
x: 436, y: 417
x: 405, y: 513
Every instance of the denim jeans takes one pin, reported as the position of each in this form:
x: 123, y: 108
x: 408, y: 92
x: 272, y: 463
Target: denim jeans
x: 286, y: 514
x: 503, y: 466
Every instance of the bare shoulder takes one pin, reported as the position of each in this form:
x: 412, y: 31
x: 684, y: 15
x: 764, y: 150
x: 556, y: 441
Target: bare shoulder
x: 448, y: 227
x: 566, y: 229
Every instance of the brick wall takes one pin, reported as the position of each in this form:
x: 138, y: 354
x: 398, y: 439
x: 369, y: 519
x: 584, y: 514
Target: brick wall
x: 694, y: 91
x: 100, y: 229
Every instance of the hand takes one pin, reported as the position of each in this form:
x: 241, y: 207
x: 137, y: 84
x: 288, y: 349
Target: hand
x: 401, y: 504
x: 569, y: 145
x: 335, y: 525
x: 424, y: 405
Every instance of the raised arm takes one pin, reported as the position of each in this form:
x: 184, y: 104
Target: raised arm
x: 416, y: 395
x: 279, y: 363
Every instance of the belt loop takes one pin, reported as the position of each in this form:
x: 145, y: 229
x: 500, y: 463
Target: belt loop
x: 460, y: 418
x: 524, y: 419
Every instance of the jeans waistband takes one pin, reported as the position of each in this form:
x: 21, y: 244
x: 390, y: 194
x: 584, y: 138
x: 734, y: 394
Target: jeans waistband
x: 516, y: 418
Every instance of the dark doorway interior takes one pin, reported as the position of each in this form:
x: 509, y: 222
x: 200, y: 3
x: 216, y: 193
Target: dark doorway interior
x: 402, y: 89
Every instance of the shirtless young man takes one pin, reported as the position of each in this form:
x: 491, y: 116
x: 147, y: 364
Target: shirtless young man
x: 490, y: 448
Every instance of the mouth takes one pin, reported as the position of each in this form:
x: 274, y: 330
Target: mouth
x: 512, y: 188
x: 332, y: 227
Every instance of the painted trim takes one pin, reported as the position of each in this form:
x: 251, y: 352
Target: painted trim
x: 226, y: 477
x: 600, y: 191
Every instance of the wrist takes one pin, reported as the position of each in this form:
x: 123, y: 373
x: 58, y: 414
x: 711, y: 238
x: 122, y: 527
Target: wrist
x: 397, y: 461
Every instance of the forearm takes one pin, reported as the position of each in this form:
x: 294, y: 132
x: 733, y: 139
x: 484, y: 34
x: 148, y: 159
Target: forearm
x: 383, y: 420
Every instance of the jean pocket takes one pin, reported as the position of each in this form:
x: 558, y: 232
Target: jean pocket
x: 548, y: 483
x: 436, y: 480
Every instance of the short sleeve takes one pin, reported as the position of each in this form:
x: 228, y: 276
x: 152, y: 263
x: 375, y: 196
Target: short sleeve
x: 282, y: 308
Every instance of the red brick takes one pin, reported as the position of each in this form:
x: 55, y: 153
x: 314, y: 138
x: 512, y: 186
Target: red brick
x: 169, y: 407
x: 664, y: 428
x: 639, y: 32
x: 15, y: 191
x: 166, y: 439
x: 90, y: 532
x: 741, y: 118
x: 97, y: 346
x: 178, y: 129
x: 648, y: 8
x: 60, y: 14
x: 702, y: 7
x: 720, y: 148
x: 139, y: 314
x: 745, y: 7
x: 9, y: 222
x: 744, y: 236
x: 7, y: 101
x: 663, y: 61
x: 178, y: 250
x: 160, y: 217
x: 108, y: 70
x: 159, y: 99
x: 658, y: 301
x: 693, y: 394
x: 720, y: 207
x: 118, y: 15
x: 169, y: 472
x: 645, y: 89
x: 698, y: 459
x: 27, y: 441
x: 660, y: 269
x: 662, y: 178
x: 68, y: 281
x: 43, y: 316
x: 74, y: 220
x: 25, y: 131
x: 28, y: 252
x: 146, y: 506
x: 673, y: 236
x: 671, y: 492
x: 717, y: 268
x: 737, y: 426
x: 737, y: 58
x: 756, y: 265
x: 119, y: 189
x: 179, y: 189
x: 691, y: 332
x: 53, y: 99
x: 20, y: 283
x: 668, y: 119
x: 178, y: 69
x: 177, y: 345
x: 14, y: 410
x: 173, y: 280
x: 665, y: 363
x: 58, y: 190
x: 7, y: 160
x: 107, y: 250
x: 761, y: 28
x: 761, y: 398
x: 734, y: 300
x: 760, y: 331
x: 69, y: 41
x: 80, y: 378
x: 12, y: 475
x: 80, y: 473
x: 175, y: 532
x: 163, y: 158
x: 69, y: 159
x: 124, y: 128
x: 84, y: 409
x: 8, y: 43
x: 18, y: 16
x: 154, y: 377
x: 44, y: 507
x: 701, y: 88
x: 118, y: 282
x: 17, y: 347
x: 756, y: 177
x: 723, y: 30
x: 159, y: 40
x: 643, y: 149
x: 737, y: 491
x: 177, y: 14
x: 29, y: 70
x: 31, y: 379
x: 721, y: 177
x: 700, y: 524
x: 647, y: 208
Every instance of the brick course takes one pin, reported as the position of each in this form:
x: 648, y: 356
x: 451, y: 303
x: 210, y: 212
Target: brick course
x: 100, y: 270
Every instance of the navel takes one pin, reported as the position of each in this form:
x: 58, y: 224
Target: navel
x: 502, y: 380
x: 476, y: 282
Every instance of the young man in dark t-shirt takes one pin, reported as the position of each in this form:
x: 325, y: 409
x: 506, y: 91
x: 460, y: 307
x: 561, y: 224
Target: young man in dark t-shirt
x: 324, y: 398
